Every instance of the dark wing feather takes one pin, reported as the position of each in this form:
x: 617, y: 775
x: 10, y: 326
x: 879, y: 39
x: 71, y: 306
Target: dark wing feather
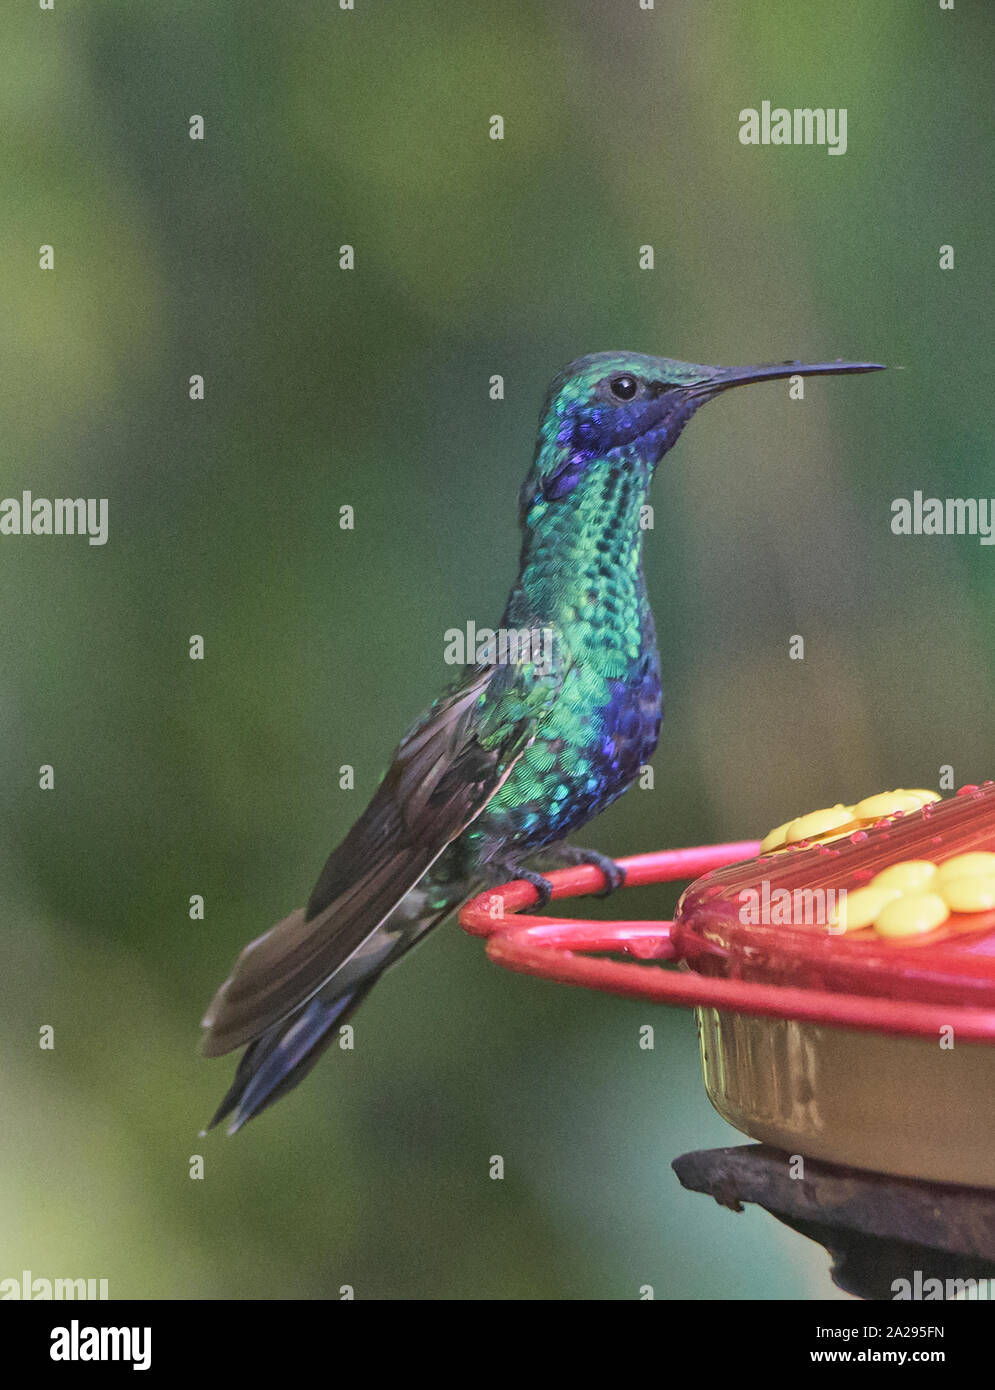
x: 442, y: 777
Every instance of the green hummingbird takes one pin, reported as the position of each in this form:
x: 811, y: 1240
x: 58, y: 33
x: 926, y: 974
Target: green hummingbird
x: 517, y: 753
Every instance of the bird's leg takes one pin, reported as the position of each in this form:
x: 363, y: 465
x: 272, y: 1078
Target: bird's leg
x: 567, y: 855
x: 509, y: 867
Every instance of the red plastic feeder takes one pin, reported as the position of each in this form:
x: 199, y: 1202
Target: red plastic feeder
x: 855, y: 1036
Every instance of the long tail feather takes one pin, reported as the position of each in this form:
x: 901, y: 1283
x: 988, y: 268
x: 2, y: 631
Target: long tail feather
x: 280, y: 1058
x: 283, y: 1056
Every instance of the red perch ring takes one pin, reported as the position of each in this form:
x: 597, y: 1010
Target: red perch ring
x: 560, y: 949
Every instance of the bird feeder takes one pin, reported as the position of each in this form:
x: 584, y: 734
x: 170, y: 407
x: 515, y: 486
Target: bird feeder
x: 843, y: 973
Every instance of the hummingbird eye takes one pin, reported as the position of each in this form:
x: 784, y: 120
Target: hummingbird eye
x: 623, y: 388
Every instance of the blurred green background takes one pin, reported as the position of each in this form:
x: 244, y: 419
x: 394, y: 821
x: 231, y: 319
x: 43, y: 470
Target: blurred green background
x: 370, y: 388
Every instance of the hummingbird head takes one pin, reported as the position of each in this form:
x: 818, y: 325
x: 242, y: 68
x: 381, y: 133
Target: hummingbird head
x: 626, y: 409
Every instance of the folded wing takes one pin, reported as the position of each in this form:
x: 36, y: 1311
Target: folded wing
x: 442, y: 776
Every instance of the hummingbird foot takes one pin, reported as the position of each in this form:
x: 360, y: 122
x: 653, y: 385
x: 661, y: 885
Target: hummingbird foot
x: 567, y: 855
x: 508, y: 868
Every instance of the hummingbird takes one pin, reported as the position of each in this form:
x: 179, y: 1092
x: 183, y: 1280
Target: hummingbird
x: 515, y: 755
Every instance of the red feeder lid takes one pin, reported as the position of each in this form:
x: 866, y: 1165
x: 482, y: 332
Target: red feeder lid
x: 954, y: 963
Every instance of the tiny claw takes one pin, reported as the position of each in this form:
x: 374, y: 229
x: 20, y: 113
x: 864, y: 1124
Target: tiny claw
x: 616, y: 877
x: 613, y: 872
x: 542, y: 885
